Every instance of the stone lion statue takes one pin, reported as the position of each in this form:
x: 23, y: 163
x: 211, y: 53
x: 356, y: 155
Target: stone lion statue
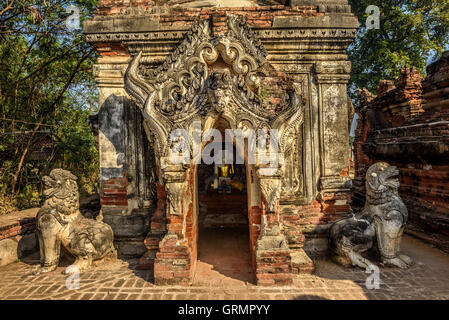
x: 380, y: 225
x: 60, y: 222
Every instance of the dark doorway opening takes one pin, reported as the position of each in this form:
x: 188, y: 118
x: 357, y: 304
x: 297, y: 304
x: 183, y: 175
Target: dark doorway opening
x: 223, y: 247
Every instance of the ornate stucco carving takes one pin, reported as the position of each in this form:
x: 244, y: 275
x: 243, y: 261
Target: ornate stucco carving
x: 186, y: 87
x: 271, y: 188
x: 239, y: 29
x: 174, y: 194
x: 325, y: 34
x: 174, y: 179
x: 292, y: 184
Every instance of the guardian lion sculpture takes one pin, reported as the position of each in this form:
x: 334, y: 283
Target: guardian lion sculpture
x: 380, y: 225
x: 60, y: 222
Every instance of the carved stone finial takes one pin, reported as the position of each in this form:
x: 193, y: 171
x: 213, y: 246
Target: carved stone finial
x: 239, y: 29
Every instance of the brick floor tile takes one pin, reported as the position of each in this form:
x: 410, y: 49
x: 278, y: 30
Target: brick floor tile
x: 118, y: 280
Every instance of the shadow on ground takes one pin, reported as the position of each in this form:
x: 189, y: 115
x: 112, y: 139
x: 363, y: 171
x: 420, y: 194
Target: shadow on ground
x: 427, y: 279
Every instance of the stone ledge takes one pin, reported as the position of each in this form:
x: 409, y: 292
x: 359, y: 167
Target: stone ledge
x: 17, y: 223
x: 180, y: 20
x: 17, y: 237
x: 301, y: 263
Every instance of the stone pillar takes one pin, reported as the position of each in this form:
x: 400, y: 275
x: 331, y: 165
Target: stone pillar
x: 335, y: 184
x: 128, y: 220
x: 273, y: 260
x: 111, y: 120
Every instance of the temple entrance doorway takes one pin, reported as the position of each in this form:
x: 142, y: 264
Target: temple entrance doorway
x: 223, y: 229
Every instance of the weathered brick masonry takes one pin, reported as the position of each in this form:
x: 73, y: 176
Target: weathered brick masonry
x: 17, y: 227
x: 302, y: 49
x: 407, y: 124
x: 17, y: 235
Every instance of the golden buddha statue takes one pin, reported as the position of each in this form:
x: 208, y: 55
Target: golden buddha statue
x: 227, y: 170
x: 224, y: 180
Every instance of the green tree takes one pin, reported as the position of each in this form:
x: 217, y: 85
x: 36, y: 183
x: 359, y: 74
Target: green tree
x: 46, y: 83
x: 411, y: 32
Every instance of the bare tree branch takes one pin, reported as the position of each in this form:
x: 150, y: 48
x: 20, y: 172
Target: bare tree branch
x: 8, y: 7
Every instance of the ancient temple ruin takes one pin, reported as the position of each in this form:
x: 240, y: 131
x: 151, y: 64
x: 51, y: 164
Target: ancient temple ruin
x: 248, y: 65
x: 407, y: 123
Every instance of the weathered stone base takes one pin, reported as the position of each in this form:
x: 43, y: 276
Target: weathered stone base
x: 317, y: 240
x: 15, y: 248
x: 129, y: 230
x: 146, y: 262
x: 17, y: 236
x: 273, y: 267
x: 173, y: 264
x: 158, y: 230
x: 301, y: 263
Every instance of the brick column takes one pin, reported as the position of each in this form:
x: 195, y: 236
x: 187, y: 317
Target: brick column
x: 174, y: 263
x: 273, y: 260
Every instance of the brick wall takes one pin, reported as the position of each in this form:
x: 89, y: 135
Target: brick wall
x: 260, y: 16
x: 169, y: 260
x: 18, y: 223
x: 407, y: 125
x: 17, y: 235
x: 113, y: 192
x: 255, y: 220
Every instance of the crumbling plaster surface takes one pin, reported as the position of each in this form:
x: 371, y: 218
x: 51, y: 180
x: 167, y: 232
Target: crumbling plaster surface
x: 305, y: 43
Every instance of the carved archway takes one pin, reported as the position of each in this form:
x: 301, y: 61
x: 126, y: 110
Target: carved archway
x: 207, y: 77
x: 184, y: 89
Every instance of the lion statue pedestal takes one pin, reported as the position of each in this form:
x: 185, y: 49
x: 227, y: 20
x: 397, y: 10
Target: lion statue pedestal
x: 380, y: 224
x: 60, y: 222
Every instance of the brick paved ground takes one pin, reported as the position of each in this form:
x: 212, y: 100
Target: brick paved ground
x: 428, y: 279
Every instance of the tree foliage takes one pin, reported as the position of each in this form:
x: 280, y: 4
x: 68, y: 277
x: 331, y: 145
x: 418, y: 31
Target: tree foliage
x: 411, y: 32
x: 46, y: 84
x: 46, y: 81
